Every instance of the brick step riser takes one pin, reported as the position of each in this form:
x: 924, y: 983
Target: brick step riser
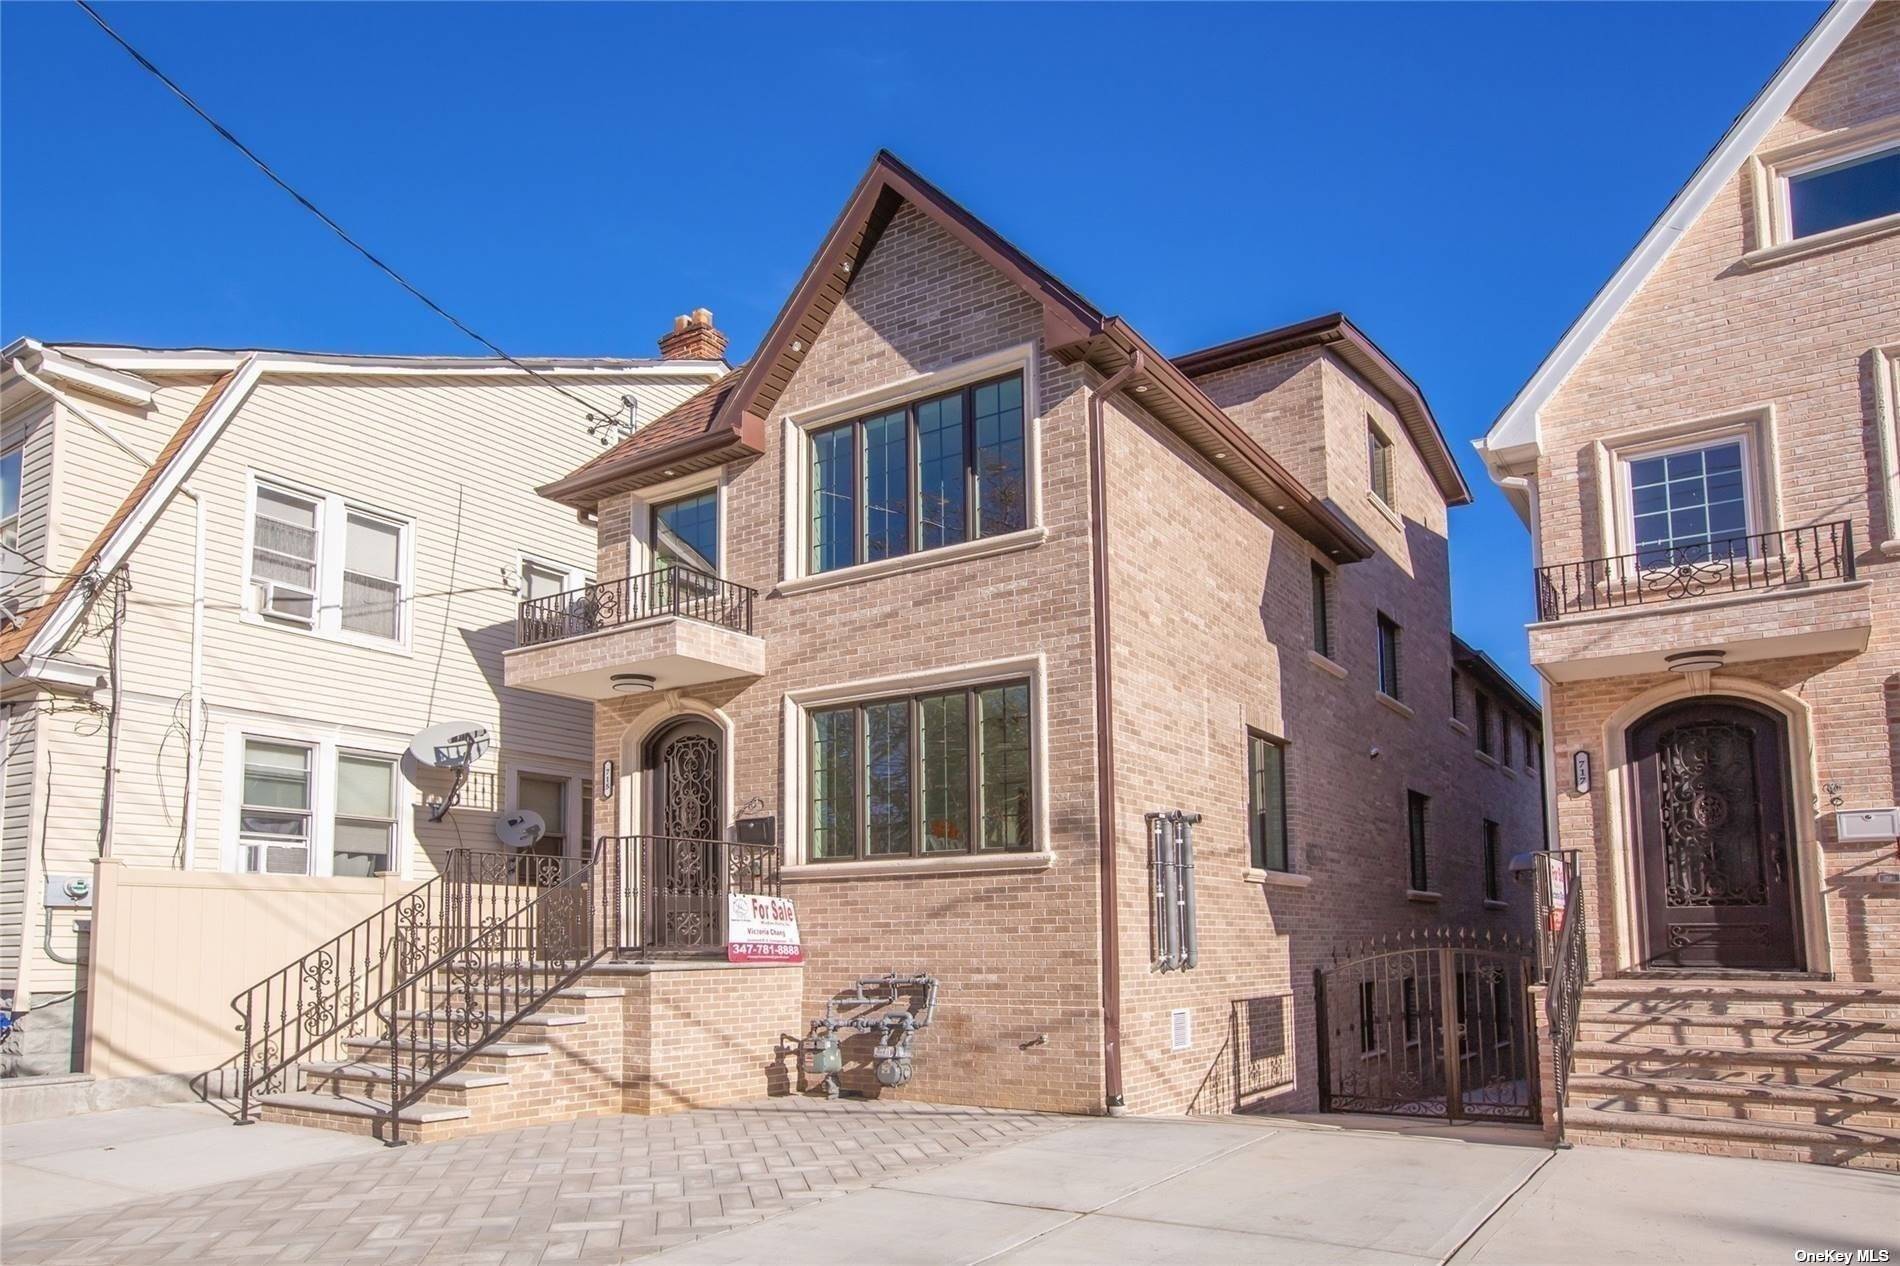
x: 426, y: 1132
x: 1741, y: 1072
x: 1854, y: 1041
x: 1845, y: 1157
x: 1766, y: 1111
x: 474, y: 1098
x: 1634, y: 1010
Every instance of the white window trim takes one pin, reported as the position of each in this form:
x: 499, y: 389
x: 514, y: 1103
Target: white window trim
x: 325, y: 743
x: 570, y: 797
x: 573, y: 577
x: 796, y: 573
x: 1755, y: 425
x: 333, y: 513
x: 1769, y: 173
x: 1885, y: 362
x: 25, y: 569
x: 797, y: 760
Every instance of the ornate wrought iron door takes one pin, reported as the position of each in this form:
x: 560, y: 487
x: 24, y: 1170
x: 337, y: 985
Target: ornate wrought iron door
x: 1432, y: 1024
x: 1712, y: 836
x: 685, y: 886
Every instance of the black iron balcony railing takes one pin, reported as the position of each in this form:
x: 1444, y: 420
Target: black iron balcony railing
x: 1787, y: 559
x: 677, y: 591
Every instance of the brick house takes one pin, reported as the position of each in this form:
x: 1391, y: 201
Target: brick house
x: 959, y: 580
x: 1709, y: 468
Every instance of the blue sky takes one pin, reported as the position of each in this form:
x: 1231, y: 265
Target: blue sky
x: 1458, y: 178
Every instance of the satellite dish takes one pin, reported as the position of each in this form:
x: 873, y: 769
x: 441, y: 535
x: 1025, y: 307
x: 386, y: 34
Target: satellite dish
x: 451, y: 745
x: 520, y: 828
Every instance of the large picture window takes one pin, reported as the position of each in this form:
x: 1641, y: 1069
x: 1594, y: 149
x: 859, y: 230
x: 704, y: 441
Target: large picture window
x: 929, y: 774
x: 1850, y: 191
x: 939, y: 471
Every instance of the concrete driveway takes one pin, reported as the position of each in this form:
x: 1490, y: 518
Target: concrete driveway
x: 788, y: 1181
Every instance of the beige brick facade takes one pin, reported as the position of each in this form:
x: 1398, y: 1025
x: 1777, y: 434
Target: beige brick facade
x: 1212, y: 637
x: 1716, y: 333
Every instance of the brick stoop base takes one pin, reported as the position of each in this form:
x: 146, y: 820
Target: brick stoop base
x: 643, y: 1038
x: 1796, y: 1070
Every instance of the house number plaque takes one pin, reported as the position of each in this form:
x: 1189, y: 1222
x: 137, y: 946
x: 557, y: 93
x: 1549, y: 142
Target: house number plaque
x: 1580, y: 764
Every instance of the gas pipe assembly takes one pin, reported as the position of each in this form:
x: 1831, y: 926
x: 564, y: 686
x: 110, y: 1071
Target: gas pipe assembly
x: 891, y: 1017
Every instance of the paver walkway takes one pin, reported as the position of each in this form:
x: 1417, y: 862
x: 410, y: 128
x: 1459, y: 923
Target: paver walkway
x: 605, y: 1189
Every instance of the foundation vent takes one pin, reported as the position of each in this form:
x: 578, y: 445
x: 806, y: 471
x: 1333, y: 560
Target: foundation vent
x: 1181, y: 1029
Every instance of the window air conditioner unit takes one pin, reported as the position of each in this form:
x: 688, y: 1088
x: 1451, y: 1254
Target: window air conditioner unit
x: 291, y: 603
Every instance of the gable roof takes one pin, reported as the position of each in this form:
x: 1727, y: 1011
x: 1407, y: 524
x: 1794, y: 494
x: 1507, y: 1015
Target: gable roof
x: 42, y: 629
x: 1516, y: 432
x: 728, y: 419
x: 1337, y: 334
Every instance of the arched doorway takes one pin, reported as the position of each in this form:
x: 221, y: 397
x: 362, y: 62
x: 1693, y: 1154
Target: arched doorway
x: 684, y: 764
x: 1714, y: 853
x: 684, y: 887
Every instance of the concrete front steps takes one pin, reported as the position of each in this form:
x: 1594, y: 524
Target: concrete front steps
x: 546, y: 1068
x: 1782, y: 1070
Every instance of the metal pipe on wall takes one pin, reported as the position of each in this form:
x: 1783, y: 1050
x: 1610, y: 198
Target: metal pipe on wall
x: 1104, y: 731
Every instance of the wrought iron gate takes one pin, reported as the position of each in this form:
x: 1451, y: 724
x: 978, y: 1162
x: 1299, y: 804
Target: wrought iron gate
x: 1429, y: 1024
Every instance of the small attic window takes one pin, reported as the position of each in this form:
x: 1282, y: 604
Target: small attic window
x: 1842, y: 193
x: 1378, y: 462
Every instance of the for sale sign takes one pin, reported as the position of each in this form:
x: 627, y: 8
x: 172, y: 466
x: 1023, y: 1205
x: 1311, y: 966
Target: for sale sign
x: 762, y: 930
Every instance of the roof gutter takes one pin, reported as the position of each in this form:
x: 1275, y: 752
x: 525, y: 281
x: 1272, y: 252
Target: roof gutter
x: 1346, y: 541
x: 1105, y: 733
x: 575, y: 492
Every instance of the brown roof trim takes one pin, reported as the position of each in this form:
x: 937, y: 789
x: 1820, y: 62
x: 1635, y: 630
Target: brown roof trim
x: 1067, y: 317
x: 1482, y: 666
x: 1336, y: 332
x: 1309, y: 514
x: 687, y: 431
x: 14, y: 642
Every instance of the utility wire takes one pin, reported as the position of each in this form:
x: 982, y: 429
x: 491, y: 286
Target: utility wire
x: 592, y: 411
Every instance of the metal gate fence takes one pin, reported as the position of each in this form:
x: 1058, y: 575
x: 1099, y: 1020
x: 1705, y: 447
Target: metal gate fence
x: 1429, y: 1024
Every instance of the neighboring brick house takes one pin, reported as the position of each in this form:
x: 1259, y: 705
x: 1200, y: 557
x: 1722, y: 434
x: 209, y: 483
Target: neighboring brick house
x: 1709, y: 465
x: 983, y: 580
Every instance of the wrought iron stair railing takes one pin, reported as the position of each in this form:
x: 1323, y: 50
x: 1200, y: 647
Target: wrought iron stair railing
x: 525, y: 928
x: 304, y: 1010
x: 1561, y: 952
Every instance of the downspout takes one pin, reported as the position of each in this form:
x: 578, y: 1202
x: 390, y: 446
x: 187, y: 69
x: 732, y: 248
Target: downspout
x: 193, y: 741
x: 1105, y: 736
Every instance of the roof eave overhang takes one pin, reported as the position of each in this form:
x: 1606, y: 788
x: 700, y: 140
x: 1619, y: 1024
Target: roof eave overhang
x: 1520, y: 426
x: 1336, y: 333
x: 696, y: 452
x: 1224, y: 444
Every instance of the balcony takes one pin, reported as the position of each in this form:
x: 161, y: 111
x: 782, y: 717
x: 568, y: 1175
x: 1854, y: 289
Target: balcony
x: 1767, y: 596
x: 676, y: 627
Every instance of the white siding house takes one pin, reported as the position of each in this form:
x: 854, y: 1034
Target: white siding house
x: 321, y: 556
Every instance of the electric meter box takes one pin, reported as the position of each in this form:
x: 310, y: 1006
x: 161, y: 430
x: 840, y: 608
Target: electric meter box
x: 69, y: 892
x: 1860, y: 825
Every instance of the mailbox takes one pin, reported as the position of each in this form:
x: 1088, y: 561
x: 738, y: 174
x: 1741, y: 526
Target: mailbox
x: 1861, y: 825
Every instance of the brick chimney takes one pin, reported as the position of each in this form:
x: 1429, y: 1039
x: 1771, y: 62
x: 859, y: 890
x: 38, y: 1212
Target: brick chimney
x: 693, y: 337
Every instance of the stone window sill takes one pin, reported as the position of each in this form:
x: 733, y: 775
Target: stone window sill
x: 1800, y: 246
x: 1424, y: 898
x: 1276, y: 878
x: 1326, y: 664
x: 1400, y: 708
x: 1492, y: 904
x: 962, y: 551
x: 1460, y: 726
x: 980, y: 863
x: 1391, y: 515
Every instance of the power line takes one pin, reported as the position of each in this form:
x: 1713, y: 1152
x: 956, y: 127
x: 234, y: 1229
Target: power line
x: 145, y: 62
